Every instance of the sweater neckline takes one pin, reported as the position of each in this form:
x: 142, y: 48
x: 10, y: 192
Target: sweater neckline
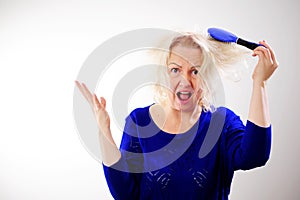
x: 195, y: 126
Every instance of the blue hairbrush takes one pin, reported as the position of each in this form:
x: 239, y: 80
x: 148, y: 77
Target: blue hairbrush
x: 225, y: 36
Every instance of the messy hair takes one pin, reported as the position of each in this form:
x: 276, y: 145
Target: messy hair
x: 215, y: 55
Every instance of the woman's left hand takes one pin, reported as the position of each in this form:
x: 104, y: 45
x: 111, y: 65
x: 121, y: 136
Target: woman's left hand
x: 267, y: 63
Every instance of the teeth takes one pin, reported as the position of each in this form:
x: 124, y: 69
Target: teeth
x: 184, y: 95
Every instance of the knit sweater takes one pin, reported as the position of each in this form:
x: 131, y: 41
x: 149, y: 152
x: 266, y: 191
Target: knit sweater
x: 196, y: 164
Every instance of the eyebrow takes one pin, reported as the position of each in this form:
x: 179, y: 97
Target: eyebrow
x: 174, y: 64
x: 196, y: 66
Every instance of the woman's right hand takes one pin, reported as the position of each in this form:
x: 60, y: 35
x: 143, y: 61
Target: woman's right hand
x: 98, y: 108
x: 109, y: 151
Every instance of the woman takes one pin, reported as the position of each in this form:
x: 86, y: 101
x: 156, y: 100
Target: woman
x: 161, y: 153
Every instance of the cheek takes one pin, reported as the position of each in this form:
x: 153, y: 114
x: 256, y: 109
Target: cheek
x: 197, y: 87
x: 173, y: 84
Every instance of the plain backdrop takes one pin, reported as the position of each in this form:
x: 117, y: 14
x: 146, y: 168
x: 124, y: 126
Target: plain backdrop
x: 43, y: 45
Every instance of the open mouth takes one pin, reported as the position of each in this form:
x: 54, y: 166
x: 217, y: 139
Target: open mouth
x: 183, y: 96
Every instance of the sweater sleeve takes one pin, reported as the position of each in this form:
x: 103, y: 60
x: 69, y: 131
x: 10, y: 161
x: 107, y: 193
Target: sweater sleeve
x: 123, y: 178
x: 247, y: 146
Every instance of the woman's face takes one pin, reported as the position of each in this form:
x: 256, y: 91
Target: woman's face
x: 183, y: 67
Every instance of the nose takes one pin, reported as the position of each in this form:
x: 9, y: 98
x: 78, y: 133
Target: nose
x: 185, y: 80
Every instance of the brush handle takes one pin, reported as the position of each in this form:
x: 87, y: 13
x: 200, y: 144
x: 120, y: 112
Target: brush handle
x: 245, y: 43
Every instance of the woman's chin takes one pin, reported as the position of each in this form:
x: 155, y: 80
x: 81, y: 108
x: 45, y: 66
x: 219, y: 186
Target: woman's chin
x: 184, y: 105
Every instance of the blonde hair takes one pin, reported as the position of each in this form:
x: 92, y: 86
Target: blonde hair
x: 215, y: 55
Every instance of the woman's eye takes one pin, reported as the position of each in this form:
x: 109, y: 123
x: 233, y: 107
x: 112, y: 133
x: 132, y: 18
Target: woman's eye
x: 174, y: 70
x: 194, y: 72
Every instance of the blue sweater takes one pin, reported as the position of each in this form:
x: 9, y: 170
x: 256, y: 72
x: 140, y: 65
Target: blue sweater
x: 197, y: 164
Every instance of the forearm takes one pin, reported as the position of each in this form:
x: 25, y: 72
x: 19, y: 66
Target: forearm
x: 110, y: 153
x: 259, y: 107
x: 123, y: 183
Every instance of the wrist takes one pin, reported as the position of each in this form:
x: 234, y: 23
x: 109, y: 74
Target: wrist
x: 259, y: 83
x: 104, y: 131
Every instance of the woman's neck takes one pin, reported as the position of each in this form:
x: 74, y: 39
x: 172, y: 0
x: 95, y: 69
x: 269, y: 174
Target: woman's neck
x: 178, y: 121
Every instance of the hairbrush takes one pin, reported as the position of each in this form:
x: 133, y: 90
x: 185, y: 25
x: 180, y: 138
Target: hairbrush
x: 225, y: 36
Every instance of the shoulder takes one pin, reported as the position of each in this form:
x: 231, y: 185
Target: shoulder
x: 142, y: 111
x: 226, y: 116
x: 140, y: 115
x: 224, y: 111
x: 232, y: 121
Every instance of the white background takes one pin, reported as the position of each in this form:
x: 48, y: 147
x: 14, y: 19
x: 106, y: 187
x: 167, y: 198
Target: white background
x: 42, y: 47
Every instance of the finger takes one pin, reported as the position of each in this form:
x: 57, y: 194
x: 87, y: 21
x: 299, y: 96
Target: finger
x: 258, y: 53
x: 267, y: 47
x: 79, y: 86
x: 265, y: 51
x: 87, y: 91
x: 96, y: 102
x: 264, y: 55
x: 273, y: 57
x: 103, y: 102
x: 82, y: 90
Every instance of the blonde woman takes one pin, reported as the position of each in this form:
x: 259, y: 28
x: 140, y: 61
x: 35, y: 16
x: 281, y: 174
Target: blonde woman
x: 159, y: 156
